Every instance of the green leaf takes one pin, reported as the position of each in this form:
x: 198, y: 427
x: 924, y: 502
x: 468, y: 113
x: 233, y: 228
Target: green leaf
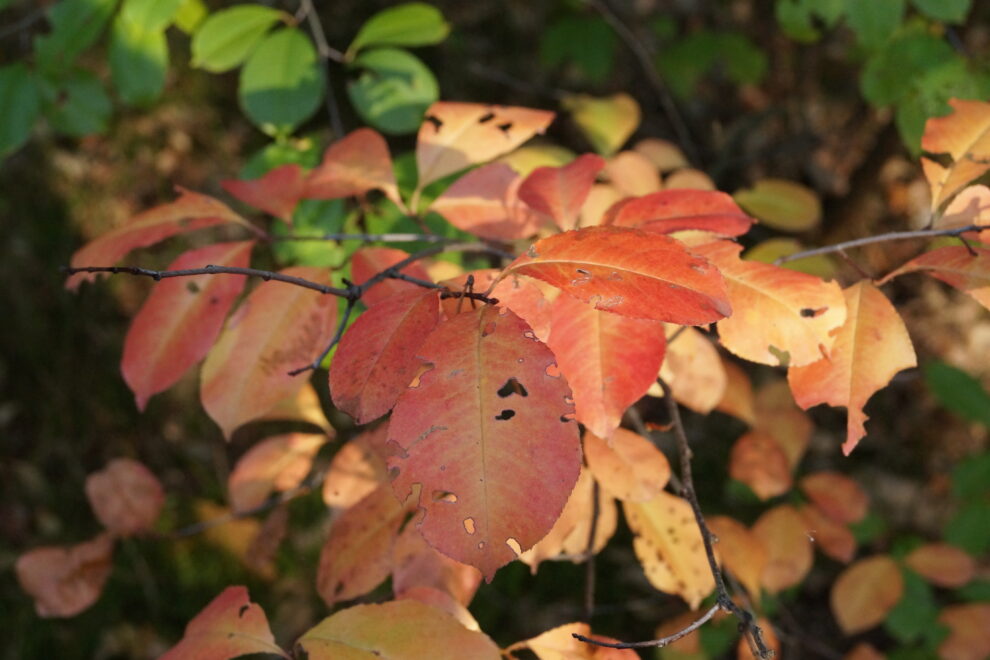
x: 410, y: 24
x: 958, y: 391
x: 745, y: 63
x: 868, y: 529
x: 950, y: 11
x: 150, y: 14
x: 971, y: 477
x: 890, y: 74
x: 190, y: 16
x: 587, y: 41
x: 81, y: 107
x: 977, y: 591
x: 874, y: 21
x: 685, y: 61
x: 302, y: 152
x: 969, y: 529
x: 916, y: 614
x: 281, y: 85
x: 795, y: 19
x: 226, y: 38
x: 21, y: 94
x: 76, y: 24
x: 138, y: 61
x: 394, y: 90
x: 313, y: 217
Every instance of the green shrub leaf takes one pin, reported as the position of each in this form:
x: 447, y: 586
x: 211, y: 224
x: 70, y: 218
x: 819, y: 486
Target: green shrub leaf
x: 81, y: 107
x: 76, y: 24
x: 393, y: 91
x: 410, y: 24
x: 225, y: 39
x: 21, y: 94
x: 138, y: 61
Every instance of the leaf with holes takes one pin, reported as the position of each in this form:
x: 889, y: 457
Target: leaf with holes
x: 368, y: 262
x: 560, y: 192
x: 126, y: 497
x: 376, y: 358
x: 629, y: 272
x: 277, y: 192
x: 230, y: 626
x: 589, y: 345
x: 955, y: 265
x: 275, y: 464
x: 190, y: 212
x: 455, y: 136
x: 181, y: 319
x: 864, y: 593
x: 870, y: 347
x: 965, y: 135
x: 628, y: 466
x: 65, y: 581
x: 488, y: 436
x: 779, y: 316
x: 668, y: 211
x: 279, y: 327
x: 486, y: 203
x: 353, y: 165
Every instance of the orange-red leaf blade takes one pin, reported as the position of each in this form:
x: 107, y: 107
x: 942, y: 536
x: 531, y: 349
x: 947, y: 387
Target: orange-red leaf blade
x: 955, y: 265
x: 276, y: 192
x: 275, y: 464
x: 64, y: 581
x: 560, y: 192
x: 126, y: 496
x: 355, y: 164
x: 673, y: 210
x: 486, y: 203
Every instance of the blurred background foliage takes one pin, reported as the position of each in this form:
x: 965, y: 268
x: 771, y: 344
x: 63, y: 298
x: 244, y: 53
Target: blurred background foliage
x: 107, y: 105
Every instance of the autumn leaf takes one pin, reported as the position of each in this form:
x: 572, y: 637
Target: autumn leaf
x: 560, y: 644
x: 838, y: 496
x: 64, y: 581
x: 965, y: 135
x: 779, y: 316
x: 229, y: 627
x: 355, y: 164
x: 668, y: 211
x: 454, y: 136
x: 276, y: 192
x: 190, y: 212
x: 632, y: 174
x: 275, y: 464
x: 442, y: 601
x: 488, y: 435
x: 969, y: 631
x: 942, y: 564
x: 664, y: 154
x: 783, y: 533
x: 601, y: 198
x: 668, y: 544
x: 743, y: 553
x: 970, y: 207
x: 126, y: 497
x: 955, y: 265
x: 415, y: 564
x: 368, y: 262
x: 376, y: 358
x: 693, y: 369
x: 279, y: 327
x: 689, y: 178
x: 302, y: 406
x: 486, y: 203
x: 356, y: 469
x: 560, y: 192
x: 181, y: 319
x: 738, y: 399
x: 589, y: 344
x: 833, y: 538
x: 870, y: 347
x: 397, y: 630
x: 759, y: 462
x: 628, y: 272
x: 237, y: 536
x: 527, y: 298
x: 782, y: 204
x: 628, y: 466
x: 607, y: 122
x: 864, y: 593
x: 778, y: 416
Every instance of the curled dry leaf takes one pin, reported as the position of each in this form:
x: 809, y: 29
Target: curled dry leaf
x: 277, y: 192
x: 759, y: 462
x: 369, y: 261
x: 839, y: 497
x: 560, y: 192
x: 126, y: 497
x: 969, y: 632
x: 942, y: 564
x: 742, y: 552
x: 669, y: 546
x: 486, y: 203
x: 628, y: 466
x: 964, y: 134
x: 956, y: 266
x: 783, y: 533
x: 356, y: 469
x: 64, y: 581
x: 607, y: 122
x: 230, y: 626
x: 353, y: 165
x: 275, y: 464
x: 560, y: 644
x: 864, y: 593
x: 693, y: 369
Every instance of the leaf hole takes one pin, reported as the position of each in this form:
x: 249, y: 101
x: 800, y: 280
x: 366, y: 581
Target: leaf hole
x: 244, y: 608
x: 553, y: 370
x: 514, y: 545
x: 810, y: 312
x: 436, y: 121
x: 505, y: 127
x: 192, y: 287
x: 444, y: 496
x: 488, y: 329
x: 414, y: 383
x: 487, y: 117
x: 469, y: 525
x: 567, y: 417
x: 506, y: 414
x: 512, y: 386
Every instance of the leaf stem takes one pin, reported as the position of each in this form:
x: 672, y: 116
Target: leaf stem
x: 880, y: 238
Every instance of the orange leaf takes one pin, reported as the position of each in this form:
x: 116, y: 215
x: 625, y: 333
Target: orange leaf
x: 454, y: 136
x: 277, y: 192
x: 303, y: 406
x: 230, y: 626
x: 668, y: 211
x: 689, y: 179
x: 969, y: 207
x: 738, y: 399
x: 487, y: 434
x: 126, y: 497
x: 782, y: 531
x: 942, y: 564
x: 629, y: 466
x: 779, y: 316
x: 486, y: 203
x: 664, y: 154
x: 633, y: 174
x: 864, y: 593
x: 864, y: 651
x: 181, y: 319
x: 745, y: 652
x: 956, y: 266
x: 560, y: 644
x: 668, y: 544
x: 759, y: 462
x: 778, y: 416
x: 838, y: 496
x: 526, y: 297
x: 65, y: 581
x: 397, y: 630
x: 275, y: 464
x: 693, y: 369
x: 353, y: 165
x: 368, y: 262
x: 415, y: 564
x: 279, y: 327
x: 965, y: 135
x: 376, y: 358
x: 629, y: 272
x: 832, y: 538
x: 190, y: 212
x: 742, y: 552
x: 357, y: 469
x: 589, y: 344
x: 601, y: 198
x: 969, y: 632
x: 560, y: 192
x: 870, y: 347
x: 237, y: 536
x: 440, y: 600
x: 357, y: 555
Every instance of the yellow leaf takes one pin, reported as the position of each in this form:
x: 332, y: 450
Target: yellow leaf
x: 782, y: 204
x: 607, y: 122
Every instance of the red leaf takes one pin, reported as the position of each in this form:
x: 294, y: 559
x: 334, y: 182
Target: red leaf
x: 279, y: 327
x: 485, y: 202
x: 353, y: 165
x: 376, y: 358
x: 278, y: 464
x: 190, y: 212
x: 277, y: 191
x: 488, y: 437
x: 65, y: 581
x: 560, y: 191
x: 415, y: 564
x: 368, y: 262
x: 956, y: 266
x: 668, y: 211
x: 181, y: 319
x: 126, y: 497
x: 229, y: 627
x: 522, y: 295
x: 590, y: 345
x: 629, y: 272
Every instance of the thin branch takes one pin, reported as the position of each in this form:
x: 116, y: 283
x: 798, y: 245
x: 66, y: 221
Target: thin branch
x: 341, y: 326
x: 24, y: 22
x: 589, y: 567
x: 663, y: 641
x: 652, y: 75
x: 525, y: 86
x: 326, y: 53
x: 370, y: 238
x: 158, y: 275
x: 880, y: 238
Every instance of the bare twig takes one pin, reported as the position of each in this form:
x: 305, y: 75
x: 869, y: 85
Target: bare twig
x: 158, y: 275
x: 663, y: 641
x: 341, y: 326
x: 326, y: 53
x: 880, y: 238
x: 589, y: 567
x: 370, y: 238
